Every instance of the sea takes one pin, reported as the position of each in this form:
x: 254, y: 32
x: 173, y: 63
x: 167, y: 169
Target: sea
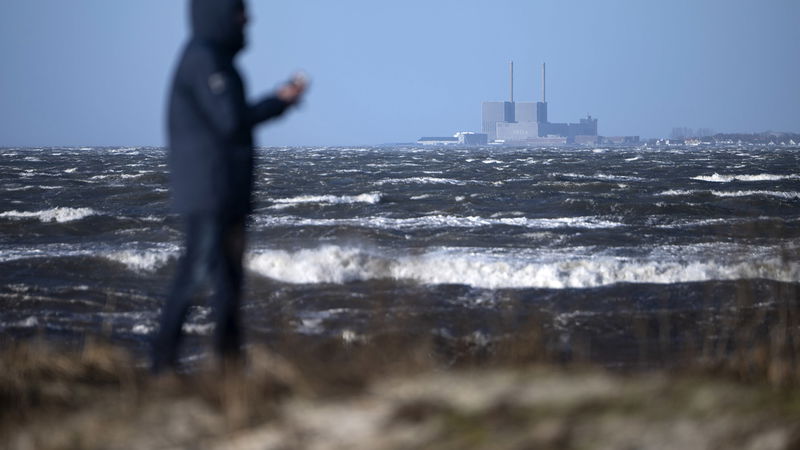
x: 617, y: 252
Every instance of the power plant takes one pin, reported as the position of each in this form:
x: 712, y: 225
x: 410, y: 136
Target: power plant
x: 526, y: 122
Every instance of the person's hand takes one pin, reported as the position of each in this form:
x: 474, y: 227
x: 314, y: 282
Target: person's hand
x: 292, y: 92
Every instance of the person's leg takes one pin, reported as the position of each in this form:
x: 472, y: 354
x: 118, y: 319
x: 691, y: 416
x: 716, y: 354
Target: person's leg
x: 228, y: 290
x: 193, y: 271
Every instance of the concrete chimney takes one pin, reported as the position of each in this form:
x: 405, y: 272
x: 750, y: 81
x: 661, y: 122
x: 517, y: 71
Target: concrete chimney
x: 544, y: 82
x: 511, y: 74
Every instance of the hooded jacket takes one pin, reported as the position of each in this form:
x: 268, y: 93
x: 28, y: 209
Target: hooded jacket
x: 210, y: 123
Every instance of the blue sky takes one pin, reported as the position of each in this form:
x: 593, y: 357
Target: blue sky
x: 96, y: 72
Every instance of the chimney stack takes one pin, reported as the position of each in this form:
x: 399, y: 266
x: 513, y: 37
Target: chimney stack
x: 544, y: 82
x: 511, y: 74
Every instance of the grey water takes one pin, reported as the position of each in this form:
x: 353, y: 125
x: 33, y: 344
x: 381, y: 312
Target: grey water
x: 459, y: 243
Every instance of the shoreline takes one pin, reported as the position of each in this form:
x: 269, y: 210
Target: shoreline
x: 96, y: 398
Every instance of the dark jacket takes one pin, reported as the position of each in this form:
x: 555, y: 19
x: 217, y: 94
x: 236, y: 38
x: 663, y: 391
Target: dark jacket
x: 210, y: 123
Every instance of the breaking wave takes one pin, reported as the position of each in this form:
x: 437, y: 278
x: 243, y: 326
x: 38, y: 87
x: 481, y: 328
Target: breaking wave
x: 142, y: 260
x: 484, y: 269
x: 424, y: 180
x: 779, y: 194
x: 602, y: 176
x: 441, y: 221
x: 717, y: 178
x: 370, y: 198
x: 60, y: 215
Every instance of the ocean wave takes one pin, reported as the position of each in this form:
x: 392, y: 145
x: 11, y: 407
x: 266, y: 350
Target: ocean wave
x: 717, y: 178
x: 442, y: 221
x: 484, y: 269
x: 425, y: 180
x: 142, y: 260
x: 60, y: 215
x: 30, y: 322
x: 20, y: 188
x: 779, y: 194
x: 602, y: 176
x: 370, y: 198
x: 682, y: 192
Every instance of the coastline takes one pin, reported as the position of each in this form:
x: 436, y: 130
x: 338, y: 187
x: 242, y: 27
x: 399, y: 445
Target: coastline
x: 97, y: 398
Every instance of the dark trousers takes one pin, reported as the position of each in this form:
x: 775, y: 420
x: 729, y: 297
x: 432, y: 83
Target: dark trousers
x: 213, y: 256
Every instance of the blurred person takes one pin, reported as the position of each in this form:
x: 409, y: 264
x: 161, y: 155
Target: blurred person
x: 210, y: 128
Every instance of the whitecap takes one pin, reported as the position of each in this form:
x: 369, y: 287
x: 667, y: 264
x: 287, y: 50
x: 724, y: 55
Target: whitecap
x: 20, y: 188
x: 482, y: 268
x: 60, y: 215
x: 442, y: 221
x: 602, y: 176
x: 142, y: 260
x: 424, y: 180
x: 143, y: 329
x: 717, y: 178
x: 778, y: 194
x: 204, y: 329
x: 30, y: 322
x: 370, y: 198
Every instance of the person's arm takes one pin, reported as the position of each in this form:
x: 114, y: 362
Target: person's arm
x: 287, y: 95
x: 268, y: 108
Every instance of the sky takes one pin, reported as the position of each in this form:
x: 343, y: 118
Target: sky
x: 96, y: 72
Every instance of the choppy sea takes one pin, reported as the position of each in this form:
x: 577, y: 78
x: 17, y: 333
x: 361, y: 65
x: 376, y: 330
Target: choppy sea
x: 461, y: 244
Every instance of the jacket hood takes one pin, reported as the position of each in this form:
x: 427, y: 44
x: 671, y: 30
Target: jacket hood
x: 216, y: 21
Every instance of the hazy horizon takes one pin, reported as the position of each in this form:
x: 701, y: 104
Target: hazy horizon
x: 93, y: 73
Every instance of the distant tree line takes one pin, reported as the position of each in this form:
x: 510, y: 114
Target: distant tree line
x: 708, y: 135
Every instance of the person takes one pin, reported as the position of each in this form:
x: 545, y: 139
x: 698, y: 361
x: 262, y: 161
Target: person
x: 210, y: 128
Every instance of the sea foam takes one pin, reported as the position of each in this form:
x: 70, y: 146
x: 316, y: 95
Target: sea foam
x: 60, y: 215
x: 717, y: 178
x: 750, y: 193
x: 484, y: 269
x: 370, y: 198
x: 442, y: 221
x: 142, y: 260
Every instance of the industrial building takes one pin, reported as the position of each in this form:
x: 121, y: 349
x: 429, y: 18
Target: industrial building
x: 462, y: 138
x: 527, y: 122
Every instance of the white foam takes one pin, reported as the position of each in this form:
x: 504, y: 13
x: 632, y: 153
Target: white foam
x: 717, y: 178
x: 204, y: 329
x: 779, y: 194
x: 21, y: 188
x: 602, y: 176
x: 60, y: 215
x: 482, y: 268
x: 370, y: 198
x: 442, y: 221
x: 142, y: 260
x: 423, y: 180
x: 30, y: 322
x: 143, y: 329
x: 72, y: 170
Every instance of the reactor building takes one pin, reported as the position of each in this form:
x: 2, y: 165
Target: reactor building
x: 527, y: 123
